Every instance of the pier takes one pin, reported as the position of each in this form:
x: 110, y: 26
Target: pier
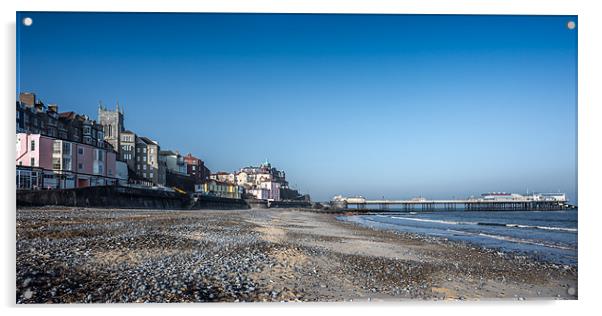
x: 450, y: 205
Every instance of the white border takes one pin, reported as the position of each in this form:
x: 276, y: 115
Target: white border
x: 588, y: 130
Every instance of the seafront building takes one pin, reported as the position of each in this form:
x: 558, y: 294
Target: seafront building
x: 127, y: 152
x: 62, y: 150
x: 267, y: 182
x: 196, y: 168
x: 222, y: 189
x: 174, y: 162
x: 148, y: 164
x: 263, y: 182
x: 222, y: 176
x: 52, y: 163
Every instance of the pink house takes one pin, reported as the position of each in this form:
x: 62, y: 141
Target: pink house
x: 65, y: 164
x: 273, y: 189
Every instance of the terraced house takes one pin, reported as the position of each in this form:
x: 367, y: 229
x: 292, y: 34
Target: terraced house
x: 148, y: 164
x: 60, y: 150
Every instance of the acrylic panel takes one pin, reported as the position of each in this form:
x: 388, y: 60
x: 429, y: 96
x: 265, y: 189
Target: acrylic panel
x: 220, y: 157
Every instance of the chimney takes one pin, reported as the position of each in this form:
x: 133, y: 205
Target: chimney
x: 27, y: 98
x: 53, y: 107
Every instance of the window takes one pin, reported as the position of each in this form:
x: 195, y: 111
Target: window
x: 33, y: 145
x: 144, y: 150
x: 33, y: 162
x: 100, y: 155
x: 151, y: 174
x: 66, y: 163
x: 80, y: 166
x: 56, y: 163
x: 87, y: 130
x: 193, y: 167
x: 66, y: 148
x: 144, y: 158
x: 80, y: 151
x: 138, y: 149
x: 56, y: 147
x: 144, y: 167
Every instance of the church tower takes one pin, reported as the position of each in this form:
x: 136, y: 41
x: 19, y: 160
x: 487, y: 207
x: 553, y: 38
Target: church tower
x: 112, y: 121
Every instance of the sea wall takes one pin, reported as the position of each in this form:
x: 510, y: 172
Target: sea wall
x: 254, y: 203
x: 290, y: 204
x: 104, y: 196
x: 140, y: 198
x: 216, y: 203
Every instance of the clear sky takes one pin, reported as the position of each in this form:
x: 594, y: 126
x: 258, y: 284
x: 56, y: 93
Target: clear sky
x: 375, y: 105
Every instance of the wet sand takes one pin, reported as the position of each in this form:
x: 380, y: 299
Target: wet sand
x: 75, y: 255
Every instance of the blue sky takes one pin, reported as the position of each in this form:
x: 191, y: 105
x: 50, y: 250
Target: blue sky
x: 377, y: 105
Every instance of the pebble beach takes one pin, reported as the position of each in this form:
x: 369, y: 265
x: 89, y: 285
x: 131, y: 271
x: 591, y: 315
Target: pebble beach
x: 89, y: 255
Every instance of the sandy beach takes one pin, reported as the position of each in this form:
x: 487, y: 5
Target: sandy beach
x: 75, y: 255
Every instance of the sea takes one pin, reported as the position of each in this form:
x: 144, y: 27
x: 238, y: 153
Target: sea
x: 549, y: 236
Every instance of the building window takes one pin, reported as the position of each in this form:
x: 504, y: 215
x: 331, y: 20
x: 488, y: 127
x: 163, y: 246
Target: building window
x: 33, y: 162
x: 144, y: 167
x: 56, y: 147
x: 80, y: 151
x: 66, y: 163
x: 33, y: 145
x: 151, y: 174
x: 144, y: 150
x: 66, y: 148
x: 56, y: 163
x: 80, y: 166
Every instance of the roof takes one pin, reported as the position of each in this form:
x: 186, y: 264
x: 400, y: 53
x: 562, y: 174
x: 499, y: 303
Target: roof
x: 147, y: 141
x: 167, y: 153
x: 68, y: 115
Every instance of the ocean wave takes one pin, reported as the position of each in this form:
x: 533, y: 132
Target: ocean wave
x: 524, y: 241
x: 433, y: 220
x: 449, y: 222
x: 566, y: 229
